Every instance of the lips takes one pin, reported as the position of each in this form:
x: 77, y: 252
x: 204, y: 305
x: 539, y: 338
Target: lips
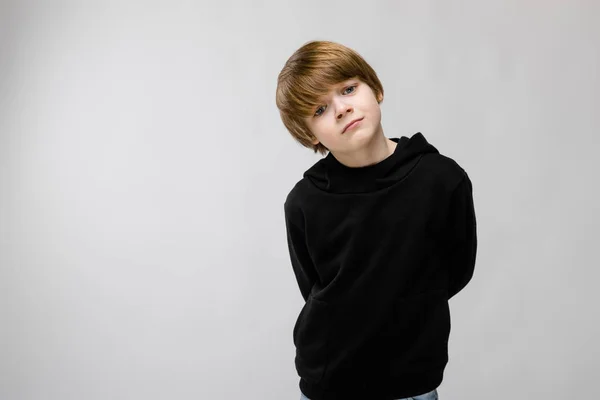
x: 351, y: 122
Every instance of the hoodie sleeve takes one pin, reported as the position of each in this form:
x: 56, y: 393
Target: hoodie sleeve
x: 302, y: 264
x: 462, y: 237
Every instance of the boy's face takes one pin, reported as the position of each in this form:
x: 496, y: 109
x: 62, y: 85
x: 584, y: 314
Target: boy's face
x: 349, y: 100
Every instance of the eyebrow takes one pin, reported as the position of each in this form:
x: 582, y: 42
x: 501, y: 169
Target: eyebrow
x: 343, y: 83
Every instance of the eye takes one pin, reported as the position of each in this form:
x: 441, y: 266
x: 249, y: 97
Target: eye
x: 344, y: 91
x: 353, y: 86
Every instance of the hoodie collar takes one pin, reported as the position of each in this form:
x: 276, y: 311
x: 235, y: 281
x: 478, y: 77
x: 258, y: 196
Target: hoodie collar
x: 329, y: 175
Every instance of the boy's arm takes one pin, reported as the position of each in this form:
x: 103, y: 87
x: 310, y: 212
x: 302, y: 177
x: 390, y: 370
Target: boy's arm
x: 302, y: 264
x: 463, y: 237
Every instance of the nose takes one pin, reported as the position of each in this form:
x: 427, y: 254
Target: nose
x: 341, y: 114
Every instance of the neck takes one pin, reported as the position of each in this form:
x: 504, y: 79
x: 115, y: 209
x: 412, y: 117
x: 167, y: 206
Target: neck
x: 372, y: 152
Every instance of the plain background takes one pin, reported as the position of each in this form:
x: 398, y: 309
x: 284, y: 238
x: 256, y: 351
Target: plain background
x: 144, y: 167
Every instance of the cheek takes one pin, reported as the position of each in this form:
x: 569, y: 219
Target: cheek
x: 376, y: 114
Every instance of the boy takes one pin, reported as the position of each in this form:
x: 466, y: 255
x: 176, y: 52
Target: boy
x: 381, y: 234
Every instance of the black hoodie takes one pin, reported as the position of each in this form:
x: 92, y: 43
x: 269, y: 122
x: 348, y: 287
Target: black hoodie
x: 377, y: 252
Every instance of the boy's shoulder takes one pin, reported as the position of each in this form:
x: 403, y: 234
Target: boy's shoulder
x: 296, y: 194
x: 446, y: 169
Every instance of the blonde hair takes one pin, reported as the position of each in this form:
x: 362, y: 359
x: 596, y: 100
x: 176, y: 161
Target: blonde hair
x: 308, y: 75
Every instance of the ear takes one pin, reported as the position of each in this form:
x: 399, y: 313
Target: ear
x: 379, y: 98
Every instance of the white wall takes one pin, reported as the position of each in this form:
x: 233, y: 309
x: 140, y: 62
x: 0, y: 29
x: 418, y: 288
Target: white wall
x: 143, y: 170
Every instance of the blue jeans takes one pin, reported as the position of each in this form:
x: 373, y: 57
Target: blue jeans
x: 433, y: 395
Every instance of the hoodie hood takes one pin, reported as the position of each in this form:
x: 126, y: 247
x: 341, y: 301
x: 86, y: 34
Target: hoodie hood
x: 329, y: 175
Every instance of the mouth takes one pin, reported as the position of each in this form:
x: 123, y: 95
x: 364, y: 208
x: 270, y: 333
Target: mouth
x: 352, y: 124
